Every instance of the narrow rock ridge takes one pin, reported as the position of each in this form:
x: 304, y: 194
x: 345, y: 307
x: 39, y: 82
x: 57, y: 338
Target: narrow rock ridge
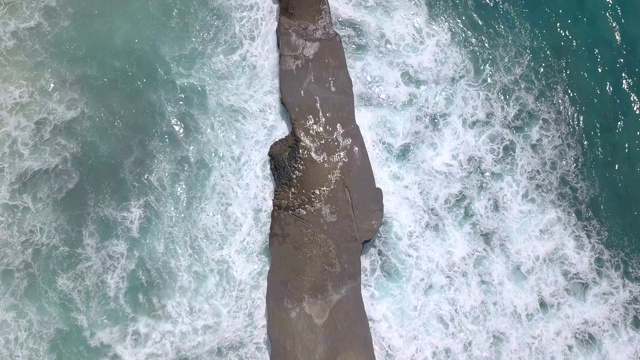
x: 326, y: 203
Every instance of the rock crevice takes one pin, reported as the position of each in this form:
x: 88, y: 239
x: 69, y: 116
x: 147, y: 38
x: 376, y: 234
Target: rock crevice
x: 326, y: 203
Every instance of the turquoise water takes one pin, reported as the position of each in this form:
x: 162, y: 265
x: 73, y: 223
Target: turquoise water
x: 135, y: 190
x: 597, y: 45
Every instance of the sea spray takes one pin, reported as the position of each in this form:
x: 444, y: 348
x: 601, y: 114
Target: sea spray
x: 152, y: 243
x: 481, y: 254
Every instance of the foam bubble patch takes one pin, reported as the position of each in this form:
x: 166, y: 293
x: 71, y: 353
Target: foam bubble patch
x: 480, y: 254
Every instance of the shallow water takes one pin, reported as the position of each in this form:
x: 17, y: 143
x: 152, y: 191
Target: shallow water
x: 135, y: 190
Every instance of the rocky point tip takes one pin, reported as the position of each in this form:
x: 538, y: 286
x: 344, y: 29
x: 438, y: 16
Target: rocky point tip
x: 325, y: 204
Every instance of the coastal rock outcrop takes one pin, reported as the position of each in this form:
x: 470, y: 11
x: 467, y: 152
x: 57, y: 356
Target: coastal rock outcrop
x: 326, y: 203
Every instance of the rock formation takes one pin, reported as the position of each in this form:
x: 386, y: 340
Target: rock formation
x: 326, y: 203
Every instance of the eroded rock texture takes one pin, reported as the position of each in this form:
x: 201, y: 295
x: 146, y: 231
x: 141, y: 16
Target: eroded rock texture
x: 326, y: 203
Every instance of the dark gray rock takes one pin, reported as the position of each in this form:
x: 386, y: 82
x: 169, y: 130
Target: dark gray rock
x: 326, y: 203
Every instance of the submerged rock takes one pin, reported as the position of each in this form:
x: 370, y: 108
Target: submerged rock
x: 326, y: 203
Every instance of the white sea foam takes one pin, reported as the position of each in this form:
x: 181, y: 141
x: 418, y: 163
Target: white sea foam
x: 480, y: 255
x: 207, y: 253
x: 183, y: 273
x: 35, y: 170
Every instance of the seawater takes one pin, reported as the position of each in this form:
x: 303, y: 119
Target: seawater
x: 135, y: 190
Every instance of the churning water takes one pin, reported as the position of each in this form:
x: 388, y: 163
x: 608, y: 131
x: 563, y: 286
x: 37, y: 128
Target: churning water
x: 135, y: 191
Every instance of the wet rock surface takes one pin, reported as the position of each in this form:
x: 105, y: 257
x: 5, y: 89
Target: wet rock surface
x: 326, y: 203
